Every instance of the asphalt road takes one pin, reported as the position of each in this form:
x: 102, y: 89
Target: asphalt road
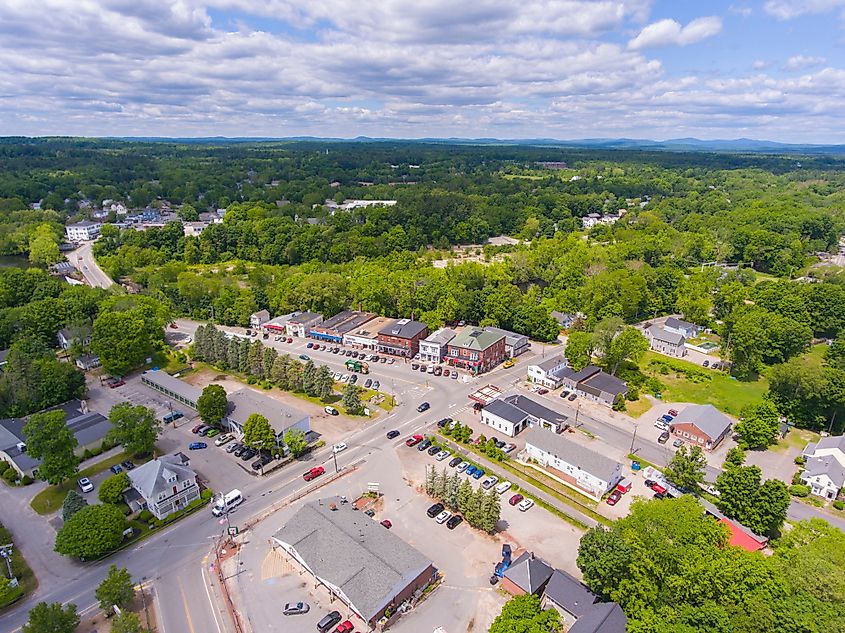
x: 83, y: 259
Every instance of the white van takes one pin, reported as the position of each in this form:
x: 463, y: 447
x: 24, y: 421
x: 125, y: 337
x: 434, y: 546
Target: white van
x: 227, y: 502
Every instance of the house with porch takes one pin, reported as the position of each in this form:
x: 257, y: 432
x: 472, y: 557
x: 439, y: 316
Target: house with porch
x: 164, y: 485
x: 549, y: 372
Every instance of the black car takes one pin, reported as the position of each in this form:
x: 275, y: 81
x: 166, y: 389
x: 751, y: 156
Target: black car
x: 433, y: 449
x: 127, y: 465
x: 329, y: 621
x: 434, y: 510
x: 415, y: 366
x: 572, y: 396
x: 239, y: 450
x: 659, y: 495
x: 444, y: 422
x: 424, y: 406
x: 261, y: 462
x: 454, y: 522
x: 370, y: 513
x: 454, y: 461
x: 249, y: 454
x: 500, y: 444
x: 392, y: 434
x: 424, y: 445
x: 368, y: 383
x: 353, y: 378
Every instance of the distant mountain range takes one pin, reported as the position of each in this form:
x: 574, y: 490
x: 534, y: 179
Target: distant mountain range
x: 676, y: 144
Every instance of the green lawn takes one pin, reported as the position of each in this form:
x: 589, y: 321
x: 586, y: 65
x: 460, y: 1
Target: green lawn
x: 636, y: 408
x: 27, y: 582
x: 687, y: 382
x: 51, y: 498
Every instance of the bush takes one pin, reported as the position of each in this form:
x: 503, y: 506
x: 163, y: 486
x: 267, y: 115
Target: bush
x: 11, y: 475
x: 799, y: 459
x: 206, y: 494
x: 145, y: 516
x: 796, y: 478
x: 633, y: 393
x: 251, y: 380
x: 87, y: 454
x: 799, y: 490
x: 839, y: 504
x: 266, y: 384
x: 26, y: 480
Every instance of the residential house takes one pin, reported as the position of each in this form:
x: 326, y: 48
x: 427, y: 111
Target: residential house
x: 604, y: 617
x: 194, y: 229
x: 476, y: 349
x: 701, y: 424
x: 590, y: 220
x: 402, y: 338
x: 569, y: 597
x: 594, y: 384
x: 175, y: 389
x: 515, y: 344
x: 165, y: 485
x: 366, y: 337
x: 87, y: 362
x: 526, y: 575
x: 369, y: 569
x: 257, y: 319
x: 83, y: 231
x: 564, y: 319
x: 88, y: 428
x: 433, y: 347
x: 665, y: 341
x: 301, y: 323
x: 574, y: 465
x: 333, y: 329
x: 824, y: 467
x: 244, y: 402
x: 512, y: 414
x: 70, y: 335
x: 684, y: 328
x: 550, y: 372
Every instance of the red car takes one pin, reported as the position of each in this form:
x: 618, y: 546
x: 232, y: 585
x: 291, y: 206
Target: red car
x: 386, y: 523
x: 197, y: 428
x: 290, y: 340
x: 116, y: 383
x: 614, y: 497
x: 515, y: 499
x: 658, y: 488
x: 344, y: 627
x: 673, y: 413
x: 313, y: 473
x: 174, y: 326
x: 413, y: 440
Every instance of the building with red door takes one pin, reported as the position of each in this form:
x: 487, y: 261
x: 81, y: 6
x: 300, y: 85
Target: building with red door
x: 476, y: 350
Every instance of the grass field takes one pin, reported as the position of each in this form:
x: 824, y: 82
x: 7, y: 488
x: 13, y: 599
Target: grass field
x: 27, y: 582
x: 636, y: 408
x: 687, y: 382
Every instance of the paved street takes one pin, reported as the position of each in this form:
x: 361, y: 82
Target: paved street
x: 83, y: 259
x: 176, y: 558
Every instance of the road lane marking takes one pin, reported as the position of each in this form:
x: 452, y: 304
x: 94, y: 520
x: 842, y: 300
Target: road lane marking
x: 206, y: 582
x: 185, y: 605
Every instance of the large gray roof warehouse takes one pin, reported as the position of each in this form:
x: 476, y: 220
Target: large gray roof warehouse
x: 367, y: 567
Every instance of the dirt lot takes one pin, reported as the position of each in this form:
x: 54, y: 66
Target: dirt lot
x: 99, y: 623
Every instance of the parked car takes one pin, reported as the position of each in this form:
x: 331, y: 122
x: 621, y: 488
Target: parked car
x: 331, y: 411
x: 667, y: 418
x: 353, y: 378
x: 411, y: 441
x: 488, y: 483
x: 117, y: 383
x: 240, y: 450
x: 433, y: 449
x: 310, y: 345
x: 514, y: 500
x: 424, y: 406
x: 664, y: 437
x: 261, y: 462
x: 705, y: 363
x: 392, y: 434
x: 478, y: 474
x: 376, y: 385
x: 509, y: 363
x: 678, y: 443
x: 673, y: 412
x: 564, y: 393
x: 454, y: 522
x: 329, y: 621
x: 443, y: 517
x: 454, y: 462
x: 572, y: 396
x: 223, y: 439
x: 344, y: 627
x: 341, y: 446
x: 368, y: 383
x: 415, y: 366
x: 525, y: 505
x: 116, y: 469
x: 443, y: 422
x: 195, y: 446
x: 248, y: 454
x: 424, y: 445
x: 499, y: 444
x: 296, y: 608
x: 656, y: 487
x: 127, y: 465
x: 205, y: 429
x: 462, y: 467
x: 614, y: 497
x: 661, y: 424
x: 313, y: 473
x: 212, y: 433
x: 290, y: 340
x: 503, y: 487
x: 386, y: 523
x: 442, y: 455
x: 233, y: 447
x: 434, y: 510
x: 304, y: 357
x: 509, y: 447
x: 470, y: 469
x: 659, y: 495
x: 370, y: 513
x: 85, y: 484
x: 197, y: 428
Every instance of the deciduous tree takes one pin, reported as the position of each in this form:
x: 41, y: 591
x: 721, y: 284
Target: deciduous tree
x: 91, y: 532
x: 49, y: 439
x: 759, y: 425
x: 686, y: 468
x: 212, y: 404
x: 525, y: 615
x: 579, y: 349
x: 116, y: 590
x: 295, y: 440
x: 51, y: 618
x: 258, y: 433
x: 135, y: 427
x: 111, y: 490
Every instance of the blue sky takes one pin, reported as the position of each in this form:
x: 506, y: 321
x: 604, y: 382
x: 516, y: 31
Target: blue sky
x: 765, y: 69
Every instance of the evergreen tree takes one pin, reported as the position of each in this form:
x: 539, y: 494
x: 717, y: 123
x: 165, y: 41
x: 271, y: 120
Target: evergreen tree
x: 243, y: 355
x: 464, y: 496
x: 351, y: 400
x: 221, y: 348
x: 308, y: 377
x: 270, y: 355
x: 324, y: 383
x: 490, y: 511
x: 453, y: 486
x: 474, y: 506
x: 232, y: 354
x: 279, y: 373
x: 255, y: 360
x: 200, y: 342
x: 430, y: 480
x: 73, y: 503
x: 440, y: 486
x: 295, y: 376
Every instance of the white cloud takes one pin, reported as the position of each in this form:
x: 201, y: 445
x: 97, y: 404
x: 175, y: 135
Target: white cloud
x: 789, y: 9
x: 740, y: 9
x: 761, y: 64
x: 800, y: 62
x: 668, y: 32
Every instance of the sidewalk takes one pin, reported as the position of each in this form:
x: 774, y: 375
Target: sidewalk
x: 502, y: 474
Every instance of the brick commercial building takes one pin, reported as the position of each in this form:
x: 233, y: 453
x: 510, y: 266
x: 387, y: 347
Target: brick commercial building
x: 368, y: 568
x: 402, y: 338
x: 476, y: 350
x: 701, y: 424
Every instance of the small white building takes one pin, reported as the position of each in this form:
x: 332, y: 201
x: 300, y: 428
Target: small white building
x: 512, y: 414
x: 194, y: 229
x: 300, y: 323
x: 433, y: 347
x: 824, y: 469
x: 576, y: 466
x: 83, y: 231
x: 257, y: 319
x: 684, y: 328
x: 663, y: 341
x: 165, y: 485
x: 548, y: 373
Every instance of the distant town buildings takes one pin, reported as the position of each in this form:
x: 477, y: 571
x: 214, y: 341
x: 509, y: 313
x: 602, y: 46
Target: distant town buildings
x: 83, y: 231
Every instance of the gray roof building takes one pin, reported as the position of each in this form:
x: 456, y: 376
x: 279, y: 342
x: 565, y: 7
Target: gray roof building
x: 370, y: 568
x: 674, y: 322
x: 305, y: 317
x: 506, y: 410
x: 441, y: 336
x: 156, y: 476
x: 584, y: 374
x: 403, y: 328
x: 825, y: 443
x: 515, y: 343
x: 536, y: 410
x: 825, y: 465
x: 569, y: 594
x: 603, y: 382
x: 604, y: 617
x: 660, y: 333
x: 244, y: 402
x: 173, y: 387
x: 529, y: 573
x: 584, y: 458
x: 551, y: 363
x: 706, y: 418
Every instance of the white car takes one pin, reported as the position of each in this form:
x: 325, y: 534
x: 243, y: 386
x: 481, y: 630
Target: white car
x: 509, y: 447
x: 462, y: 467
x: 337, y: 376
x: 442, y: 455
x: 337, y: 448
x: 443, y: 517
x: 662, y: 425
x: 223, y: 439
x: 503, y: 487
x: 489, y: 482
x: 85, y: 485
x: 525, y: 505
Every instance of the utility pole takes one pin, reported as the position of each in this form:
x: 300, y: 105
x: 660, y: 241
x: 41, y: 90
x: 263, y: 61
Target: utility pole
x: 633, y: 439
x: 334, y: 456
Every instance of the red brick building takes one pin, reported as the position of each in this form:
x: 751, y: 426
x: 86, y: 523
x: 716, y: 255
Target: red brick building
x: 476, y: 349
x: 402, y: 338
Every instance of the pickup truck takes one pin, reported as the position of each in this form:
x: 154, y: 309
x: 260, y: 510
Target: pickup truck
x: 313, y: 473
